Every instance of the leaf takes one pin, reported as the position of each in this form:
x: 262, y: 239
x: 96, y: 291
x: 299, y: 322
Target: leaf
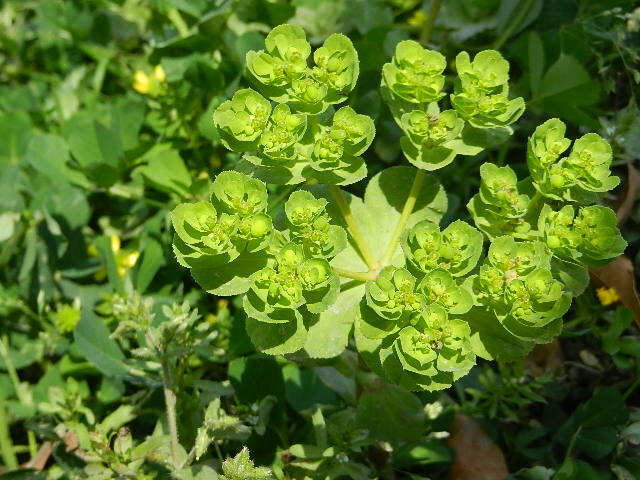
x: 304, y: 389
x: 536, y: 61
x: 620, y: 275
x: 49, y: 154
x: 152, y: 260
x: 477, y: 457
x: 329, y: 335
x: 565, y: 89
x: 103, y: 245
x: 277, y: 338
x: 256, y: 376
x: 492, y: 341
x: 421, y: 453
x: 96, y: 146
x: 233, y: 279
x: 390, y: 413
x: 92, y: 340
x: 166, y: 171
x: 15, y: 131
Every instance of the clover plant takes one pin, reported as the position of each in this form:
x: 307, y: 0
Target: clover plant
x: 423, y: 299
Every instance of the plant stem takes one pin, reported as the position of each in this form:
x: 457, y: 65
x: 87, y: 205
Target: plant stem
x: 170, y: 403
x: 22, y: 395
x: 507, y: 32
x: 404, y: 217
x: 534, y: 203
x: 178, y: 22
x: 360, y: 276
x: 430, y: 21
x: 6, y: 445
x: 353, y: 228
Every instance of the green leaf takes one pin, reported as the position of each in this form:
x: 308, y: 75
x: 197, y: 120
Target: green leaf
x: 277, y: 338
x: 92, y: 340
x: 304, y: 389
x: 96, y: 146
x: 492, y: 341
x: 329, y: 334
x: 49, y: 154
x: 15, y: 131
x: 536, y: 61
x: 384, y: 201
x: 152, y: 260
x: 566, y: 89
x: 421, y: 453
x: 166, y: 171
x: 390, y: 413
x: 232, y: 278
x: 256, y: 376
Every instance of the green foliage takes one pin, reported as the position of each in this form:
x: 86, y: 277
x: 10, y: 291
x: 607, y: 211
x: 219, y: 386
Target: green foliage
x: 131, y: 128
x: 408, y: 324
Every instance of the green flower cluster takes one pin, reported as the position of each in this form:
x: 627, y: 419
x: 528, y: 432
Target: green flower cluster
x: 217, y: 232
x: 516, y: 284
x: 421, y: 315
x: 590, y: 238
x: 413, y: 317
x: 299, y: 273
x: 412, y: 84
x: 499, y: 207
x: 581, y: 177
x: 282, y: 72
x: 482, y: 91
x: 292, y: 142
x: 290, y: 267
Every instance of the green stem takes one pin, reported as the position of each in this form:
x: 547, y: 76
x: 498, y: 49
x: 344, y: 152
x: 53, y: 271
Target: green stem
x: 429, y: 23
x: 631, y: 389
x: 353, y: 228
x: 404, y: 217
x: 360, y: 276
x: 178, y: 22
x: 170, y: 403
x: 6, y: 445
x: 522, y: 14
x: 535, y: 203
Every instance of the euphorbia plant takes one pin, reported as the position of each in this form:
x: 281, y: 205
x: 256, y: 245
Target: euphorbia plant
x: 423, y: 299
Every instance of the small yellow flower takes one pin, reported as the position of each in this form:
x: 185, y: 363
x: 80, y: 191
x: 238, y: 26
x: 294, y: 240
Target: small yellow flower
x: 417, y: 19
x: 141, y: 82
x: 129, y: 260
x: 158, y: 72
x: 607, y: 296
x: 115, y: 243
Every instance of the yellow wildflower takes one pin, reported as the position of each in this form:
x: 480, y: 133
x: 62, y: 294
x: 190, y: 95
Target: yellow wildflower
x: 607, y: 296
x: 115, y: 243
x: 124, y: 259
x: 158, y: 72
x: 129, y: 260
x: 417, y: 19
x: 141, y: 82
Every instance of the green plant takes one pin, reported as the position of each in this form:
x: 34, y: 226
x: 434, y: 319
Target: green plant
x: 422, y: 303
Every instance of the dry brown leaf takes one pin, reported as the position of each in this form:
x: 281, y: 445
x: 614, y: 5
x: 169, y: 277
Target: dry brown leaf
x: 547, y: 358
x: 630, y: 195
x: 476, y: 456
x: 620, y: 275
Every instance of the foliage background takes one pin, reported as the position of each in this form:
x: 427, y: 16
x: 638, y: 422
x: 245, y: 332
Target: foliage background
x: 90, y: 154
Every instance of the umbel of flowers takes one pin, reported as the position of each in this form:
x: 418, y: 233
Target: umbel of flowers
x: 435, y: 297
